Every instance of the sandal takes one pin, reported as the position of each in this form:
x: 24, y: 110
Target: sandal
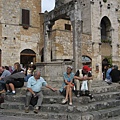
x: 64, y: 101
x: 70, y: 103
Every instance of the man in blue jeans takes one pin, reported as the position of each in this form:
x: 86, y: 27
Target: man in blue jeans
x: 108, y: 78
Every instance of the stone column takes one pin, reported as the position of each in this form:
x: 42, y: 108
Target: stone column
x: 75, y: 17
x: 47, y: 43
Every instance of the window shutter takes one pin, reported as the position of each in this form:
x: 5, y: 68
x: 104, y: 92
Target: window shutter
x: 25, y: 17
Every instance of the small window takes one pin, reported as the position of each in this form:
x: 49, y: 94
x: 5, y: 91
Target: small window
x: 67, y: 27
x: 25, y: 17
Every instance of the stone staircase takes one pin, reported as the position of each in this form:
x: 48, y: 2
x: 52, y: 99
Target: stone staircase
x: 104, y: 106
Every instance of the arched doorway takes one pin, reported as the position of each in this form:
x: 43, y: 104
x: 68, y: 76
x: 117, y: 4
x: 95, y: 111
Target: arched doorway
x: 0, y: 56
x: 105, y: 64
x: 105, y: 30
x: 106, y: 39
x: 27, y: 56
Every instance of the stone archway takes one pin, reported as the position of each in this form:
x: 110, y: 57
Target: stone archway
x: 68, y: 10
x: 27, y: 56
x: 86, y: 60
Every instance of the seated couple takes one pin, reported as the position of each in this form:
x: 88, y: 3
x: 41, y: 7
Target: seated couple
x: 10, y: 81
x: 68, y: 85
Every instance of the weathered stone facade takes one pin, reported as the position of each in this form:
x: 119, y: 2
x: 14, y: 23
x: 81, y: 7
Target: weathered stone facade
x: 95, y: 33
x: 13, y: 37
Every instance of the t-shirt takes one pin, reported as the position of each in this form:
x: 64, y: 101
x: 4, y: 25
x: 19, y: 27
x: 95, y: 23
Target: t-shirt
x: 5, y: 73
x: 70, y: 78
x: 78, y: 73
x: 36, y: 85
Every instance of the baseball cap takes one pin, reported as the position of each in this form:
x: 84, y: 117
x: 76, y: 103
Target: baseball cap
x: 86, y: 68
x: 70, y: 67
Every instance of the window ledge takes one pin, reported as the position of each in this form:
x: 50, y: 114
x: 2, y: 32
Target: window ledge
x: 25, y: 26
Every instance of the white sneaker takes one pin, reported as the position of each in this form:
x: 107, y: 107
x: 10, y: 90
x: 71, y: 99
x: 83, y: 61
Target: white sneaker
x: 106, y: 80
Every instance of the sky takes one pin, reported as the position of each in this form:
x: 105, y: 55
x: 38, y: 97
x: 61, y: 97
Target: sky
x: 47, y: 5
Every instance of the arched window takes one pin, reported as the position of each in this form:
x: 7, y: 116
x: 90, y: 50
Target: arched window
x: 105, y: 30
x: 86, y: 60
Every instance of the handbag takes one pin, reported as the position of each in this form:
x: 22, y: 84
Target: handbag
x: 84, y: 86
x: 33, y: 100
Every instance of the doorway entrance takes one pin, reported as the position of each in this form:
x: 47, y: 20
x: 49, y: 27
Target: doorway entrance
x: 27, y: 56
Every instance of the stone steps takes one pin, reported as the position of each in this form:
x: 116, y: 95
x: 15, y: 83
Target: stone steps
x: 76, y: 108
x: 113, y: 118
x: 105, y: 114
x: 95, y: 89
x: 58, y: 99
x: 6, y: 117
x: 103, y: 106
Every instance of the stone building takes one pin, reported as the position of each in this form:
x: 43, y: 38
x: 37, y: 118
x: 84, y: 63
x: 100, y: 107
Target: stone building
x: 81, y: 30
x: 20, y: 31
x: 76, y: 32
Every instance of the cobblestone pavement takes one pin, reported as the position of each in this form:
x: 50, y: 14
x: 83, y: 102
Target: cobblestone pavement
x: 2, y: 117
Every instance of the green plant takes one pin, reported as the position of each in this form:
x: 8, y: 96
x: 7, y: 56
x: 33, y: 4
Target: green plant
x: 105, y: 1
x: 109, y: 58
x: 106, y: 41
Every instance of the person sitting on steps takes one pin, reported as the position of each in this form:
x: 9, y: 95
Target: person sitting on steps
x: 68, y: 85
x: 79, y: 78
x: 34, y: 86
x: 15, y: 80
x: 4, y: 73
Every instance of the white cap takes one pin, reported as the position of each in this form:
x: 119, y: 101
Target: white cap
x: 70, y: 67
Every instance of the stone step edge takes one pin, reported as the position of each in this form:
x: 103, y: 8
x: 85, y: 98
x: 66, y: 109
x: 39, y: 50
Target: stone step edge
x: 58, y: 99
x: 104, y: 114
x: 86, y: 116
x: 103, y: 89
x: 113, y: 118
x: 61, y: 96
x: 19, y: 103
x: 81, y: 108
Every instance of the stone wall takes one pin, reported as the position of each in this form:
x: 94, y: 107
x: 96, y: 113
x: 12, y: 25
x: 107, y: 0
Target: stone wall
x: 86, y: 16
x: 62, y: 45
x: 62, y: 42
x: 99, y: 9
x: 12, y: 35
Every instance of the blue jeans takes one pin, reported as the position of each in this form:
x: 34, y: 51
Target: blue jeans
x: 27, y: 77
